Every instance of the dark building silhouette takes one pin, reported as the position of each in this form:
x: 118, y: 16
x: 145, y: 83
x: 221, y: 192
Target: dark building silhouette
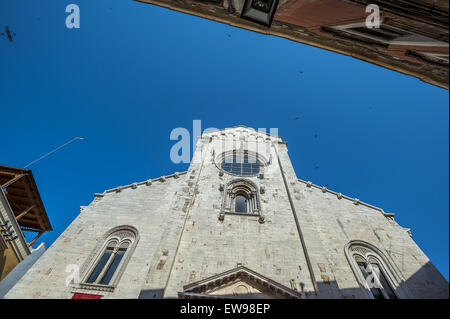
x: 412, y: 37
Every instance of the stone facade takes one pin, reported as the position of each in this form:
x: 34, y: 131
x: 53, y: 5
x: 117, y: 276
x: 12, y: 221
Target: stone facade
x: 298, y: 243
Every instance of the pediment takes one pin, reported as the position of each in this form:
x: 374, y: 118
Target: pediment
x: 238, y: 283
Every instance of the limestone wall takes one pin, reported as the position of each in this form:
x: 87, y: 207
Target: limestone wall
x: 147, y: 208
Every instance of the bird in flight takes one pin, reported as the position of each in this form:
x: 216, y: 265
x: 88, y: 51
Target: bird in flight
x: 9, y: 34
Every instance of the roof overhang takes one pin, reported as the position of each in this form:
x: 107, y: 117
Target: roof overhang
x: 23, y: 196
x: 295, y: 32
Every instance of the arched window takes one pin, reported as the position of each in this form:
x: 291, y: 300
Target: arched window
x: 240, y: 203
x: 110, y: 258
x: 373, y: 271
x: 241, y: 196
x: 375, y: 277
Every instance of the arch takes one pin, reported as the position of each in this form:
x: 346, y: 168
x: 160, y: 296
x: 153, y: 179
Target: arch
x: 374, y: 271
x: 121, y: 231
x: 241, y: 187
x: 108, y: 260
x: 242, y: 182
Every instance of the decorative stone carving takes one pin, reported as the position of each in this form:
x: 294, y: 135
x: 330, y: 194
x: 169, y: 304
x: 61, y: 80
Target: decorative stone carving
x: 261, y: 219
x: 123, y: 234
x: 360, y: 249
x: 242, y: 187
x: 94, y: 287
x: 239, y: 282
x: 408, y: 231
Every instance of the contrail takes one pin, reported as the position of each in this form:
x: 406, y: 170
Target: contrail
x: 59, y: 147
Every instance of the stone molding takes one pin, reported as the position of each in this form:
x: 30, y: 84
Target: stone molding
x: 201, y: 288
x: 366, y: 251
x: 243, y: 186
x: 122, y: 235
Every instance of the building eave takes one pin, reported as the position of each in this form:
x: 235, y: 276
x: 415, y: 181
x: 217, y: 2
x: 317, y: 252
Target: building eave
x: 302, y: 35
x: 21, y: 189
x: 146, y: 182
x: 341, y: 196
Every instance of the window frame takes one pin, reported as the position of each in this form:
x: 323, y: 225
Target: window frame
x: 124, y: 234
x: 357, y: 251
x: 246, y: 203
x: 382, y: 290
x: 235, y: 166
x: 102, y: 258
x: 241, y: 187
x: 222, y: 157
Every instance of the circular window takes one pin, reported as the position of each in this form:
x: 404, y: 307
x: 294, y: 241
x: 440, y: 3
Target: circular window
x: 241, y: 164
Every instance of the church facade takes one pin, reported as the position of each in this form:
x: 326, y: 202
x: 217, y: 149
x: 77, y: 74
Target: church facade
x: 237, y: 224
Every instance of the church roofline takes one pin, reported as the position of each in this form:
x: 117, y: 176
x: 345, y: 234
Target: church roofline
x: 355, y: 201
x: 240, y: 126
x: 134, y: 185
x: 340, y: 195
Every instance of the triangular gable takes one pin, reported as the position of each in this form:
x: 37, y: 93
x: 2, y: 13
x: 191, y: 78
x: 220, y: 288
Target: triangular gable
x: 239, y: 282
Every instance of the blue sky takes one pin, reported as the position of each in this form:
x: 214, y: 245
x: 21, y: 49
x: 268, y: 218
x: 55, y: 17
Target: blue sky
x: 133, y: 72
